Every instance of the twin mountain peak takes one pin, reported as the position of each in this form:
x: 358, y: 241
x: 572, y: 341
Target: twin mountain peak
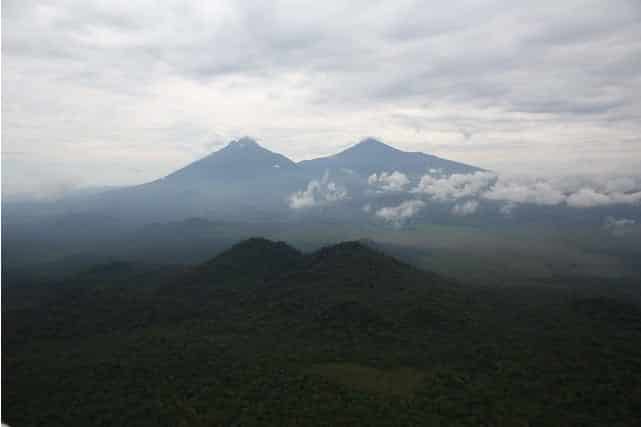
x: 246, y: 158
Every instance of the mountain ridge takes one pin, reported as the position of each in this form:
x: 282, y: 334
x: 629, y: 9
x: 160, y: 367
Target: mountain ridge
x: 368, y: 156
x: 245, y: 180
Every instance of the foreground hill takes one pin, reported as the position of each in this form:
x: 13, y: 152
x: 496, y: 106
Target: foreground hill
x: 266, y: 335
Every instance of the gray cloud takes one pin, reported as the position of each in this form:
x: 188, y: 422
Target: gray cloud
x: 96, y: 84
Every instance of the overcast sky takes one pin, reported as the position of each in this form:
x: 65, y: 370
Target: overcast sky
x: 120, y: 92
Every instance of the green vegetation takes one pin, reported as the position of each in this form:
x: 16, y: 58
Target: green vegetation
x: 401, y: 382
x: 265, y: 335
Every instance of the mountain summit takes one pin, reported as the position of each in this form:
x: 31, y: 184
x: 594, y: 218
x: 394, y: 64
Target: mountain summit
x: 240, y: 159
x: 372, y: 156
x: 371, y: 145
x: 244, y: 142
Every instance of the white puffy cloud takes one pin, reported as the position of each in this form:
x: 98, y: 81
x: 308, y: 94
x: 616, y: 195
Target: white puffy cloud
x: 466, y: 208
x: 576, y: 192
x: 573, y: 191
x: 397, y: 215
x: 454, y: 186
x: 394, y: 181
x: 318, y: 192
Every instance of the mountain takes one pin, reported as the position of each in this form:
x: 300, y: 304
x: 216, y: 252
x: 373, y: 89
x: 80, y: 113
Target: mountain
x: 244, y: 160
x: 372, y: 156
x: 244, y: 181
x: 241, y: 175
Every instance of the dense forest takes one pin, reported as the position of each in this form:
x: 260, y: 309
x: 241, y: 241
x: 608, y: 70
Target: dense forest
x: 263, y: 334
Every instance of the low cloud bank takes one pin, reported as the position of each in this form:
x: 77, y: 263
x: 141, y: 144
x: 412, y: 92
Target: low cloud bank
x: 397, y: 215
x: 318, y: 192
x: 575, y: 192
x: 538, y: 193
x: 587, y: 198
x: 468, y: 191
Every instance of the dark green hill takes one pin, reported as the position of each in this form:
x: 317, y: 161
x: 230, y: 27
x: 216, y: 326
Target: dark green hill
x: 251, y: 261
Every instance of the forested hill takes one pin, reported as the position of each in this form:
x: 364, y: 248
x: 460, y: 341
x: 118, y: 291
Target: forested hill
x: 264, y: 334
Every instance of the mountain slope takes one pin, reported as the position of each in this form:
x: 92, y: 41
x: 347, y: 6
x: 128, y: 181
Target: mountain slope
x: 372, y: 156
x: 242, y: 180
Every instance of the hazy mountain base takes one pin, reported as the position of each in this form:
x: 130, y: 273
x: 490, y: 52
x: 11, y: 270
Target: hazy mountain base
x: 245, y: 189
x: 501, y: 255
x: 263, y: 335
